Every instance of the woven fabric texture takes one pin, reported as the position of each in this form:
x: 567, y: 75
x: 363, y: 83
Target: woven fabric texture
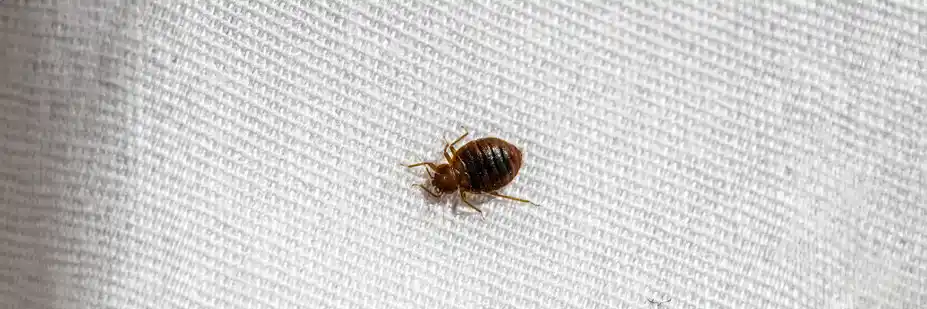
x: 247, y: 154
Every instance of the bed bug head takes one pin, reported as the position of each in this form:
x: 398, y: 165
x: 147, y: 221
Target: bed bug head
x: 444, y: 179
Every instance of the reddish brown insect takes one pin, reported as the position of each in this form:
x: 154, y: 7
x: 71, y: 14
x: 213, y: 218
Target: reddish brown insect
x: 481, y: 166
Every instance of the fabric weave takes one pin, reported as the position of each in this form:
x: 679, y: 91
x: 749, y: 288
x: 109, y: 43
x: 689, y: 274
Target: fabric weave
x: 247, y: 154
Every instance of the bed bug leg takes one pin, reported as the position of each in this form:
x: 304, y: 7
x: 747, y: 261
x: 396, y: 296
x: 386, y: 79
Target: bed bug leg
x: 451, y: 145
x: 463, y: 197
x: 460, y: 138
x: 426, y: 190
x: 448, y: 157
x: 497, y: 194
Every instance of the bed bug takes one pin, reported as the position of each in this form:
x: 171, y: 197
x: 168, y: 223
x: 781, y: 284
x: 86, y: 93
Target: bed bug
x: 481, y: 166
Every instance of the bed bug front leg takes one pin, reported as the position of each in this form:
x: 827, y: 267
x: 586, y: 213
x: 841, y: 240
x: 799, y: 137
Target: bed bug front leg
x: 451, y: 145
x: 448, y: 157
x: 461, y: 137
x: 426, y: 190
x: 497, y: 194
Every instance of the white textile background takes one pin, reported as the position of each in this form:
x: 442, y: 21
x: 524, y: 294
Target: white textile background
x: 246, y: 154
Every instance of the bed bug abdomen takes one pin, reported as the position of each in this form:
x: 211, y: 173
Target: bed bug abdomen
x: 487, y: 164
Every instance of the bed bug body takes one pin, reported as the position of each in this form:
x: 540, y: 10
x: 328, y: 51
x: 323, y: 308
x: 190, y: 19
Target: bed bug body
x: 481, y: 166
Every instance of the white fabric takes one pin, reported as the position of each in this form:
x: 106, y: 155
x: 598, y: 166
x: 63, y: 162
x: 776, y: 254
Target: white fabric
x: 246, y: 154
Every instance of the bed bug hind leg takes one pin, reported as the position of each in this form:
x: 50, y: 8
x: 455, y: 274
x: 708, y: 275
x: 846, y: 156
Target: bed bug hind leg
x: 497, y: 194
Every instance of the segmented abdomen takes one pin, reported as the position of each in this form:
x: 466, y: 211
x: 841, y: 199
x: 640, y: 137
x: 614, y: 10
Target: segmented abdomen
x: 487, y: 164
